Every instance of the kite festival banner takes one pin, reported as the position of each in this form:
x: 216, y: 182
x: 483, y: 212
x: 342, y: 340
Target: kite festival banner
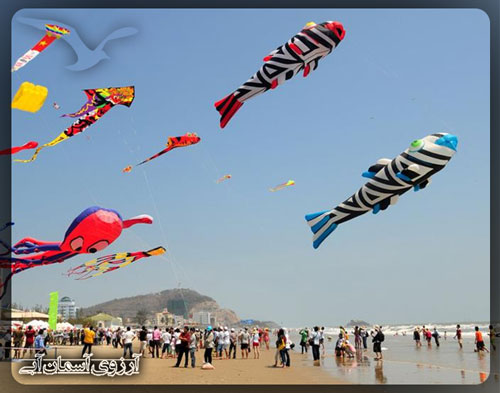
x: 53, y: 305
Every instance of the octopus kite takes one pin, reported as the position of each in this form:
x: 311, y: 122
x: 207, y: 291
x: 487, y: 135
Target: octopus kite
x: 173, y: 142
x: 107, y: 264
x: 17, y: 149
x: 301, y: 52
x: 388, y: 180
x: 99, y: 101
x: 92, y: 231
x: 53, y: 33
x: 281, y: 186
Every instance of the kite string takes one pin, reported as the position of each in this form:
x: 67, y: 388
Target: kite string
x: 172, y: 259
x: 366, y: 57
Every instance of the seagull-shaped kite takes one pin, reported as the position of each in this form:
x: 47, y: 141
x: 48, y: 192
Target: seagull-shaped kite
x: 86, y: 58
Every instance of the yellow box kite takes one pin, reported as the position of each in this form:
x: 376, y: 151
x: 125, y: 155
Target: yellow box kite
x: 30, y: 97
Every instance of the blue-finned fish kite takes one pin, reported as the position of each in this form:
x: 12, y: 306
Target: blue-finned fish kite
x: 388, y: 180
x: 302, y: 52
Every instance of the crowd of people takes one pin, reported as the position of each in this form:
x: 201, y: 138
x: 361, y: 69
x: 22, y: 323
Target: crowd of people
x: 419, y: 334
x: 219, y: 343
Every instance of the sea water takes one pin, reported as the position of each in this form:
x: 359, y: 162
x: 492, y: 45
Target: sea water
x: 404, y: 363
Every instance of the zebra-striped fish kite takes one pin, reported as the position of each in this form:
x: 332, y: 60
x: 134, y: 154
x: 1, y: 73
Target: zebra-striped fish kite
x: 190, y: 138
x: 388, y: 180
x: 302, y: 52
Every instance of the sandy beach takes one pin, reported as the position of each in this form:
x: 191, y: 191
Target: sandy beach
x: 161, y: 371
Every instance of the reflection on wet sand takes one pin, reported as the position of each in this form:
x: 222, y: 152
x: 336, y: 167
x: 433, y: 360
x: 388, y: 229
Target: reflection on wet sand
x: 379, y: 372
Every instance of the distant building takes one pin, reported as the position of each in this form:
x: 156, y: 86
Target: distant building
x: 67, y: 308
x: 102, y: 320
x: 202, y: 317
x: 164, y: 319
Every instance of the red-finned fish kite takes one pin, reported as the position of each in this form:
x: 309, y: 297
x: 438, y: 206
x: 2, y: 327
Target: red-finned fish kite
x: 302, y: 52
x: 53, y: 33
x: 17, y: 149
x: 173, y: 142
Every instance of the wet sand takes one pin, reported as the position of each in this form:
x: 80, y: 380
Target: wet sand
x: 160, y: 371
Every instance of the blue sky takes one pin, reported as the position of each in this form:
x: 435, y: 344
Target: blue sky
x: 397, y: 76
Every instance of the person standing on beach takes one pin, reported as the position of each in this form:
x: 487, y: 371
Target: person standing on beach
x: 416, y: 337
x: 185, y: 339
x: 280, y: 348
x: 428, y: 337
x: 315, y: 341
x: 18, y: 339
x: 208, y: 344
x: 40, y: 343
x: 156, y: 342
x: 364, y: 337
x: 29, y: 339
x: 479, y: 341
x: 288, y: 344
x: 322, y: 341
x: 436, y: 336
x: 256, y: 344
x: 244, y: 343
x: 227, y: 341
x: 233, y: 338
x: 357, y: 337
x: 166, y: 338
x: 88, y: 340
x: 193, y: 346
x: 492, y: 335
x: 377, y: 340
x: 119, y: 340
x: 143, y: 338
x: 458, y: 336
x: 176, y: 342
x: 304, y: 335
x: 266, y: 338
x: 128, y: 337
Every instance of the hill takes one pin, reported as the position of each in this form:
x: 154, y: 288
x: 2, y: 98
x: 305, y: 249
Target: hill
x: 179, y: 301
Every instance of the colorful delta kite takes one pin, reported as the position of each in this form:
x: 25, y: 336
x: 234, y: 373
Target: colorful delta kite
x: 225, y: 177
x: 17, y: 149
x: 388, y: 180
x: 301, y: 52
x: 53, y: 33
x: 108, y: 263
x: 30, y: 97
x: 173, y: 142
x: 281, y: 186
x: 93, y: 230
x: 98, y: 103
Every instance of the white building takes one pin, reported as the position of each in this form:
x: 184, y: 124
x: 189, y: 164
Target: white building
x: 67, y: 308
x: 202, y: 317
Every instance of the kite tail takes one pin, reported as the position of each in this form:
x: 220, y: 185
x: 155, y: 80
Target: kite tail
x: 227, y: 107
x: 4, y: 282
x: 60, y: 138
x: 322, y: 225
